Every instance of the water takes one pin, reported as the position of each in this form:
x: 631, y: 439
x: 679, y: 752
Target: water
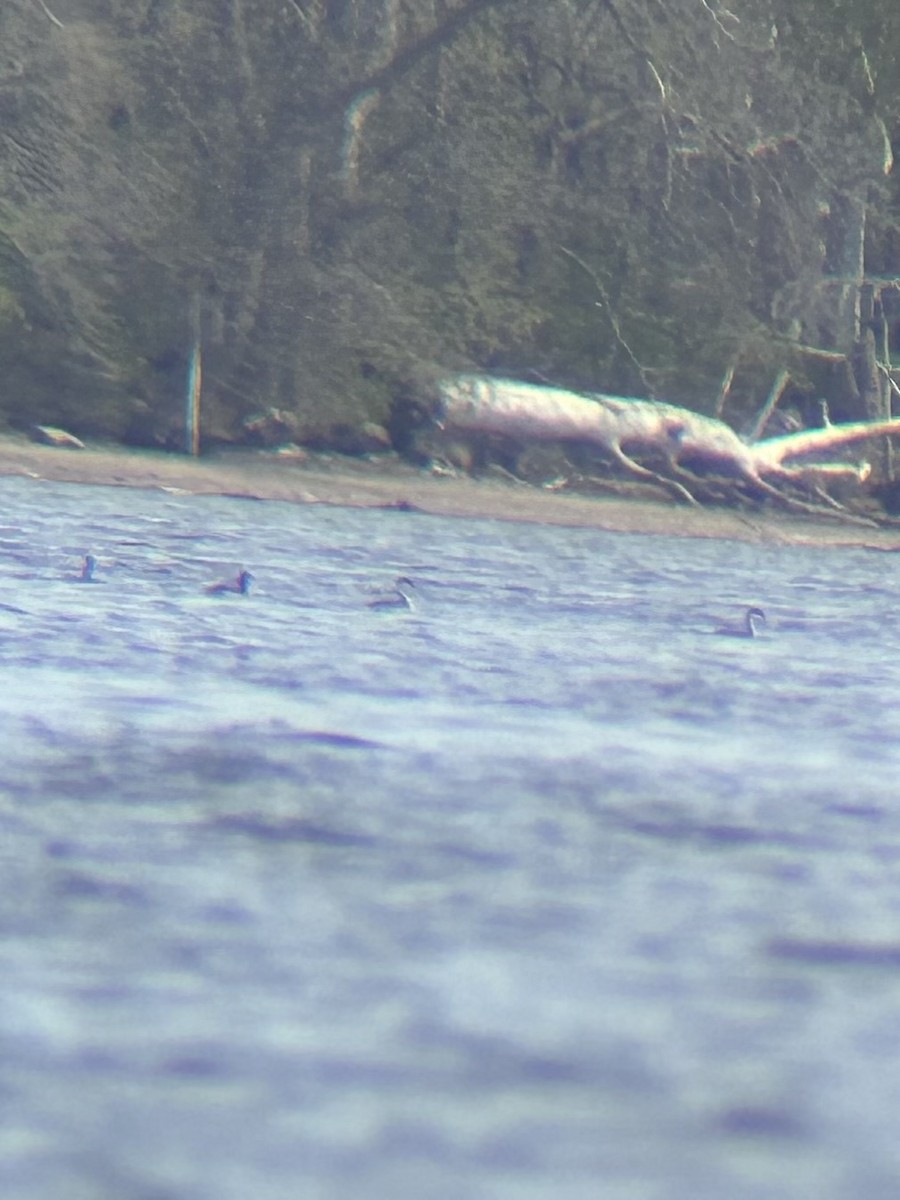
x: 539, y: 890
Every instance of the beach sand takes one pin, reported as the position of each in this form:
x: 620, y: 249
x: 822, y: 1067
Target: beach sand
x: 386, y: 482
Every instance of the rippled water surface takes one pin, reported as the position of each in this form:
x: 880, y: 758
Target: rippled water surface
x: 540, y: 890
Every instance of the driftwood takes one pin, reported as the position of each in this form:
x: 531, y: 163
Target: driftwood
x: 686, y: 443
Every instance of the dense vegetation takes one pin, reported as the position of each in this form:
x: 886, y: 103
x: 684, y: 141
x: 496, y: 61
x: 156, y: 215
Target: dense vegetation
x: 343, y: 199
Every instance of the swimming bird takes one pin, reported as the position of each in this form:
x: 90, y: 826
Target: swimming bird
x: 241, y: 585
x: 744, y: 628
x: 400, y: 596
x: 88, y: 567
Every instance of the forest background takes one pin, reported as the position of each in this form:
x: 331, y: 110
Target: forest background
x: 342, y: 201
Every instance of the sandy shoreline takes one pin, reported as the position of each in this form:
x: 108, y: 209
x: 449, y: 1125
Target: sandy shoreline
x: 388, y: 483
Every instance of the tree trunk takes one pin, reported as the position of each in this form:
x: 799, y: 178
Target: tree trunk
x: 857, y: 321
x: 845, y: 265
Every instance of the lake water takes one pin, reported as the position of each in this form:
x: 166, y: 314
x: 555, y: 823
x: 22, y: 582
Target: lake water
x: 540, y: 890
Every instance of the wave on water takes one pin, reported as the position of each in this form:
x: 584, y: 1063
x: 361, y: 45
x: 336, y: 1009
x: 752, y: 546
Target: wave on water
x: 536, y: 889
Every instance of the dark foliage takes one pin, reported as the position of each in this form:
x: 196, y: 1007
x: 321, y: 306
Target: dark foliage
x: 343, y: 201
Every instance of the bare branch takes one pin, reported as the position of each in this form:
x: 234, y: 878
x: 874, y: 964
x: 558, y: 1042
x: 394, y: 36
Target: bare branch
x: 354, y: 120
x: 834, y: 356
x: 778, y: 388
x: 715, y: 16
x: 888, y: 158
x: 724, y: 389
x: 47, y: 13
x: 892, y: 382
x: 659, y: 82
x: 300, y: 13
x: 622, y: 26
x: 405, y: 59
x: 610, y: 315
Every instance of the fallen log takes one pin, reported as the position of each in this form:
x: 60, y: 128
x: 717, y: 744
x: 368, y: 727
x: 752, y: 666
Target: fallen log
x: 773, y: 453
x: 685, y: 441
